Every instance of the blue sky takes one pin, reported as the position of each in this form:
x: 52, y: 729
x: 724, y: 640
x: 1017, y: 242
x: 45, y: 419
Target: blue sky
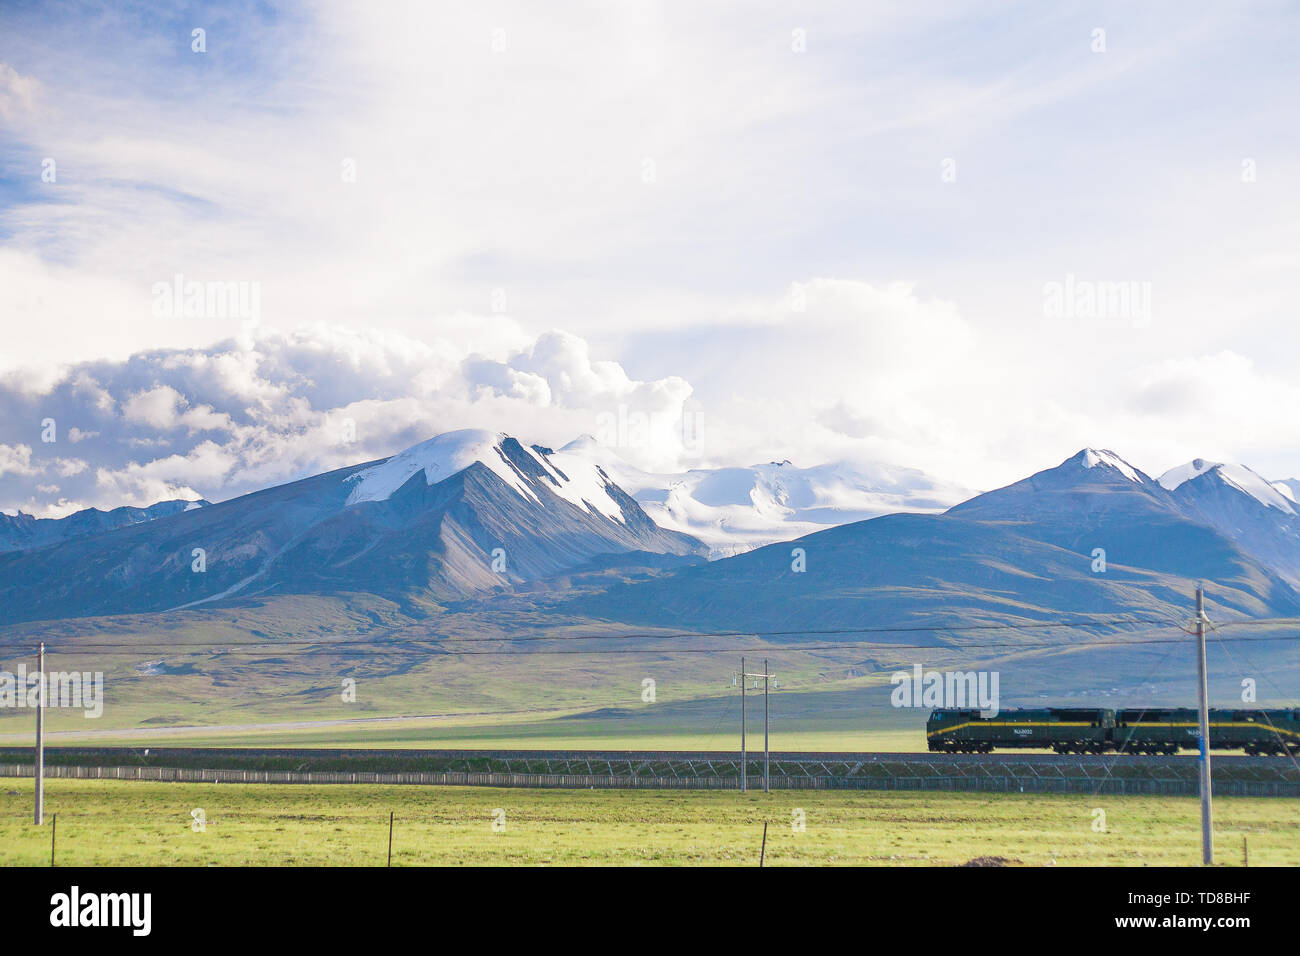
x: 660, y: 182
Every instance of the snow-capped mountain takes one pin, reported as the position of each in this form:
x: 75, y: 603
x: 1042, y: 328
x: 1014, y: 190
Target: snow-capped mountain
x: 1092, y: 458
x: 573, y: 478
x: 1090, y: 483
x: 1077, y: 501
x: 1271, y: 494
x: 463, y: 513
x: 471, y: 513
x: 1023, y: 553
x: 1261, y: 515
x: 736, y: 509
x: 1289, y: 487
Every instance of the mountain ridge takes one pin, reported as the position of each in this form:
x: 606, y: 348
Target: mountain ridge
x: 407, y: 539
x: 474, y: 513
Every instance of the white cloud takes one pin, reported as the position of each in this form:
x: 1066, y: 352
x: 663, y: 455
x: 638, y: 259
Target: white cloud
x: 156, y: 407
x: 165, y: 408
x: 514, y: 179
x: 289, y: 405
x: 17, y: 92
x: 16, y: 460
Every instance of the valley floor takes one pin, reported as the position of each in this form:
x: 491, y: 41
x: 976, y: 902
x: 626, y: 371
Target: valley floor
x: 105, y: 823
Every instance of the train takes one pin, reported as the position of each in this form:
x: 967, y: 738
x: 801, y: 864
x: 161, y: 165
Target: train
x: 1095, y: 731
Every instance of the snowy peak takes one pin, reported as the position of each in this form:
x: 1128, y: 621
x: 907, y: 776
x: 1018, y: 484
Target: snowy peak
x: 529, y: 472
x: 439, y: 458
x: 734, y: 509
x: 1104, y: 458
x: 1289, y: 488
x: 583, y: 443
x: 1199, y: 471
x: 1174, y: 477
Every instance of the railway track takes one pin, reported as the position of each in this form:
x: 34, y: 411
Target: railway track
x: 151, y: 755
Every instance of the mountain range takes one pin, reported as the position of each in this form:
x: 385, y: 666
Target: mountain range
x: 22, y: 531
x: 461, y: 513
x: 1092, y: 536
x: 477, y: 516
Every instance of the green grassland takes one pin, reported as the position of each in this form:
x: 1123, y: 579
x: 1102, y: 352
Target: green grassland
x: 523, y: 678
x: 104, y: 823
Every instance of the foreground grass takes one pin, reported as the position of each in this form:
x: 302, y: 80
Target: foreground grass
x: 150, y: 824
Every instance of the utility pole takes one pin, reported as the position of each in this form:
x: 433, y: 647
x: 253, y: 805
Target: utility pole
x: 1207, y: 828
x: 742, y: 725
x: 767, y: 756
x: 40, y: 737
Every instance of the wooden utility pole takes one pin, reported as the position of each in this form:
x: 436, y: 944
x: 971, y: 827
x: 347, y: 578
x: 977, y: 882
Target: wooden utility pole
x: 1202, y: 685
x: 40, y: 736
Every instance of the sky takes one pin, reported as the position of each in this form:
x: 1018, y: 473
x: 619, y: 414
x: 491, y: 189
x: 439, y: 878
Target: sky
x: 965, y: 238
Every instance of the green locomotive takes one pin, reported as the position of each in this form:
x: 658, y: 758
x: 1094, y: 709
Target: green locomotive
x: 1097, y: 730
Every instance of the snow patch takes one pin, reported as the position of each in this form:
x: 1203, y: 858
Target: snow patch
x: 1092, y: 458
x: 735, y: 509
x: 572, y: 477
x: 1174, y: 477
x: 439, y: 458
x: 1245, y: 480
x: 1240, y: 477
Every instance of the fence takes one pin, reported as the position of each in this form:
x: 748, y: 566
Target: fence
x: 992, y: 783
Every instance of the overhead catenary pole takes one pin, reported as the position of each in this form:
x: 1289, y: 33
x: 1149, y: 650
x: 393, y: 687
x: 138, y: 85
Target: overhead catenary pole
x: 1202, y: 687
x: 40, y: 736
x: 766, y: 761
x: 742, y: 725
x: 766, y: 676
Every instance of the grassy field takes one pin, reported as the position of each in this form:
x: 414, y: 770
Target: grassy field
x: 551, y: 732
x: 102, y: 823
x: 189, y: 678
x: 565, y: 703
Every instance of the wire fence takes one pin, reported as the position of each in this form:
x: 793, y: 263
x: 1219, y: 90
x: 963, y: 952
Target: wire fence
x: 1011, y: 779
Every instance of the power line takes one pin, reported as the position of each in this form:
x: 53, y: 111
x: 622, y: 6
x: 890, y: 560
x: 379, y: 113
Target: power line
x: 447, y: 644
x: 897, y: 629
x: 449, y: 647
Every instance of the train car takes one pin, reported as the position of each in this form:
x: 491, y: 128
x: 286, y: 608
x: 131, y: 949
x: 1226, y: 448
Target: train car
x: 1257, y: 731
x: 1150, y: 730
x: 1169, y: 730
x: 1157, y: 730
x: 1065, y: 730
